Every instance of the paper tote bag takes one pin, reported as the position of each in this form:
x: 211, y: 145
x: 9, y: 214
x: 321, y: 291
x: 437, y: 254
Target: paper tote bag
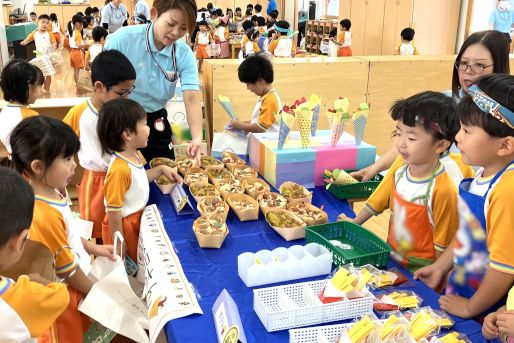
x: 112, y: 301
x: 229, y: 141
x: 84, y: 82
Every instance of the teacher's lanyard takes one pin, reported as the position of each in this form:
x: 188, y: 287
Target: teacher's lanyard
x: 171, y: 76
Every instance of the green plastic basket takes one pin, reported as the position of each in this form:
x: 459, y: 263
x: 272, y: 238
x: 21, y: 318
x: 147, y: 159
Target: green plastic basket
x: 360, y: 190
x: 353, y: 244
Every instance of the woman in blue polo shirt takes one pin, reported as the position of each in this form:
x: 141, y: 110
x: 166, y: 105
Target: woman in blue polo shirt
x: 501, y: 19
x: 160, y: 57
x: 114, y: 15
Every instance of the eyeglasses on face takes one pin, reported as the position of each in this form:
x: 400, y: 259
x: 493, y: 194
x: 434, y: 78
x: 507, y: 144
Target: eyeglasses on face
x: 123, y: 93
x: 475, y: 68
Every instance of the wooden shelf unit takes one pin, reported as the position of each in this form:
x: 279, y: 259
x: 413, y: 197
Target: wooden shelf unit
x: 315, y: 31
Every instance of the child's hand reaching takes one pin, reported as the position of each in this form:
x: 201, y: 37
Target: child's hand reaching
x: 432, y: 275
x: 505, y: 323
x: 171, y: 174
x: 344, y: 218
x: 490, y: 330
x: 105, y: 251
x: 456, y: 305
x: 234, y: 124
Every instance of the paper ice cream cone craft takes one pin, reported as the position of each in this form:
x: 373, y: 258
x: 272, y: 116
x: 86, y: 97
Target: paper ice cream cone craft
x: 339, y: 177
x: 330, y: 117
x: 359, y: 120
x: 227, y: 106
x: 305, y: 120
x: 286, y: 123
x: 314, y: 104
x: 338, y: 124
x: 342, y: 105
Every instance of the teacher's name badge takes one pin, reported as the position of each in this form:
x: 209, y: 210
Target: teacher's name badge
x: 181, y: 201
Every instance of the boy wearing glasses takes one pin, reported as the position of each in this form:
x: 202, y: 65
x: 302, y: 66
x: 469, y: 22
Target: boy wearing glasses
x: 113, y: 77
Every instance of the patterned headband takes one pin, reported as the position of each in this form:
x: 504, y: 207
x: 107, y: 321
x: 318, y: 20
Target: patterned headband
x: 488, y: 105
x: 434, y: 126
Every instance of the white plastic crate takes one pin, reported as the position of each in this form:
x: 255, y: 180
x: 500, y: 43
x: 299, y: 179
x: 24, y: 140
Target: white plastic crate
x: 297, y: 305
x: 318, y: 334
x: 282, y: 264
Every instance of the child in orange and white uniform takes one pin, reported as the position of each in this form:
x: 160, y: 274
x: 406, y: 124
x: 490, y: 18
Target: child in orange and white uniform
x: 28, y: 308
x: 113, y: 77
x: 222, y: 34
x: 19, y: 95
x: 283, y: 46
x: 421, y: 189
x: 43, y: 151
x: 480, y: 265
x: 202, y: 40
x: 252, y: 46
x: 344, y: 39
x: 55, y: 28
x: 122, y: 130
x: 76, y: 45
x: 45, y: 43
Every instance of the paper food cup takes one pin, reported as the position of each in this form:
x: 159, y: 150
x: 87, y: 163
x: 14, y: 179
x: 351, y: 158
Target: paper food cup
x: 202, y: 184
x: 162, y: 182
x: 225, y: 194
x: 201, y: 208
x: 219, y: 168
x: 230, y: 159
x: 209, y: 241
x: 202, y: 176
x: 289, y: 233
x: 265, y: 209
x: 249, y: 172
x: 288, y: 184
x: 244, y: 215
x: 182, y: 169
x: 308, y: 220
x: 208, y: 161
x: 247, y: 183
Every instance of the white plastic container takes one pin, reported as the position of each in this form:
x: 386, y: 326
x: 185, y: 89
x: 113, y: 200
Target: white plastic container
x: 297, y: 305
x: 297, y: 262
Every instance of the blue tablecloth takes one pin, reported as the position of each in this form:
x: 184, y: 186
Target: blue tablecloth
x: 211, y: 270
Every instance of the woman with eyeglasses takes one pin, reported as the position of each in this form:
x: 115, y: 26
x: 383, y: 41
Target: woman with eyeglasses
x: 482, y: 53
x: 114, y: 15
x: 161, y: 57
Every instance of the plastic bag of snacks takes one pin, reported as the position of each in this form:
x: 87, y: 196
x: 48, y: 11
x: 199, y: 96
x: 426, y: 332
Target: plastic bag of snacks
x: 423, y: 323
x: 343, y: 284
x: 396, y: 300
x: 364, y: 330
x: 451, y: 337
x: 394, y: 325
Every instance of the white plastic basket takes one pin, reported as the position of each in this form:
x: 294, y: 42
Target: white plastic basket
x: 329, y: 333
x: 297, y: 305
x: 283, y: 264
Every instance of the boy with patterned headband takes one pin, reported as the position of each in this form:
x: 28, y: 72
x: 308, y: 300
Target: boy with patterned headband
x: 283, y: 46
x: 482, y: 261
x: 421, y: 186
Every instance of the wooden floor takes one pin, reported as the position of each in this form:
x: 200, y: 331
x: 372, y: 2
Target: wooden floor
x: 63, y: 86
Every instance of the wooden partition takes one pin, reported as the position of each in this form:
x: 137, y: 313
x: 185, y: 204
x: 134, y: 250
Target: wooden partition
x: 395, y: 77
x: 326, y: 77
x: 378, y: 80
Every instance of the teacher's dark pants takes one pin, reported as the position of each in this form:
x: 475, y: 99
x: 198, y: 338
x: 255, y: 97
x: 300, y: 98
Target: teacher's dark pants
x: 159, y: 141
